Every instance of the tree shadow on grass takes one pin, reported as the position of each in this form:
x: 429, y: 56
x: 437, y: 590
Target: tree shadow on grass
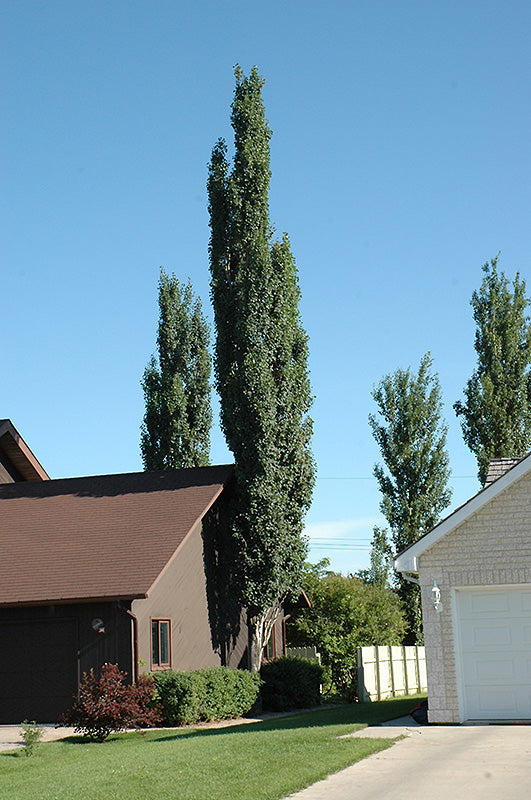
x: 356, y: 714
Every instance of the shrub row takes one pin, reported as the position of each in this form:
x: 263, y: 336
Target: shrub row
x: 291, y: 682
x: 106, y: 703
x: 206, y: 694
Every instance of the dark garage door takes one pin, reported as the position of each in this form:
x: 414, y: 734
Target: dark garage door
x: 38, y: 669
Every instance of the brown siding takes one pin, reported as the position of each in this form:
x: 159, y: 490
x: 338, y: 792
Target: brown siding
x: 181, y: 595
x: 44, y: 650
x: 278, y: 633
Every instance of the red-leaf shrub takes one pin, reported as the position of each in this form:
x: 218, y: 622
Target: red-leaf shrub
x: 107, y: 704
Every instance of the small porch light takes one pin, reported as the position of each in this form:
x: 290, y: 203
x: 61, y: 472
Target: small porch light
x: 436, y: 598
x: 98, y: 625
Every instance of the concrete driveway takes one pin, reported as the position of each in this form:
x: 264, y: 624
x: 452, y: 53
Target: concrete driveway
x: 10, y: 735
x: 465, y: 762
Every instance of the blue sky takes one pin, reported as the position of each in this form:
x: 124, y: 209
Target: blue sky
x: 400, y: 161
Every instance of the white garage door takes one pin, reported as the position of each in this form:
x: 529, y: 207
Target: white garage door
x: 494, y: 629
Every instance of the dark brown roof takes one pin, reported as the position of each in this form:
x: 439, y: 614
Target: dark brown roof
x: 108, y: 536
x: 18, y: 455
x: 498, y: 467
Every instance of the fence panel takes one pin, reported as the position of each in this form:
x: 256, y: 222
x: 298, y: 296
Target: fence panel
x: 309, y: 653
x: 390, y: 672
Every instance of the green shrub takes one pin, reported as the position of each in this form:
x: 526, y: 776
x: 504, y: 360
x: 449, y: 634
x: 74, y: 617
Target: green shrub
x: 31, y: 735
x: 291, y: 682
x: 206, y: 694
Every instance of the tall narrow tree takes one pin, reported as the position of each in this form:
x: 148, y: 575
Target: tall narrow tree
x: 496, y: 414
x: 380, y: 559
x: 414, y: 478
x: 176, y: 428
x: 261, y: 369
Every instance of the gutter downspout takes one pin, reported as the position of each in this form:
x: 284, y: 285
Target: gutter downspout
x: 134, y: 637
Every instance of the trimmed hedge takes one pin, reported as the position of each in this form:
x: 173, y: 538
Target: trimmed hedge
x: 206, y: 694
x: 291, y: 682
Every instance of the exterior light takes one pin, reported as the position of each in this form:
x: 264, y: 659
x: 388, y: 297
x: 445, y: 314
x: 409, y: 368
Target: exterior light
x: 436, y: 598
x: 98, y: 625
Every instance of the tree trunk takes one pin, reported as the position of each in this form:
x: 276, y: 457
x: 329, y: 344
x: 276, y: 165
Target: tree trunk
x: 260, y: 627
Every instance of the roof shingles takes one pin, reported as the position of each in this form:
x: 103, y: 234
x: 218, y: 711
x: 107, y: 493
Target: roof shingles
x: 98, y: 537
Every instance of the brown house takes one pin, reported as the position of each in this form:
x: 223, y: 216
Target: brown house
x: 128, y: 569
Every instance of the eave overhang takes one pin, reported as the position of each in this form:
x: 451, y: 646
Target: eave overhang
x: 407, y: 560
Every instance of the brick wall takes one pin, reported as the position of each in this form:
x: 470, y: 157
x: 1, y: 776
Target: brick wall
x: 491, y: 548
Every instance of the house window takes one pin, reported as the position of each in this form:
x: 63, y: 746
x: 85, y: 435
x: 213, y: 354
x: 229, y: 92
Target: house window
x: 270, y: 649
x: 160, y: 643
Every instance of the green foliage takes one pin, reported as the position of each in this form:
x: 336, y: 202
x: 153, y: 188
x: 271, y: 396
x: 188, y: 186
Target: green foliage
x: 261, y: 365
x: 176, y: 428
x: 414, y: 479
x: 291, y: 682
x: 206, y: 694
x: 345, y: 614
x: 380, y: 559
x: 496, y: 414
x: 31, y: 735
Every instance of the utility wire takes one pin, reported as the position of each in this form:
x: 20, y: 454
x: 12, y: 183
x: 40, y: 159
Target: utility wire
x: 372, y: 478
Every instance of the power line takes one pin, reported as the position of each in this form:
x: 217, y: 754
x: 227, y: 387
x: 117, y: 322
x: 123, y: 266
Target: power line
x: 341, y: 539
x: 338, y: 548
x: 372, y: 478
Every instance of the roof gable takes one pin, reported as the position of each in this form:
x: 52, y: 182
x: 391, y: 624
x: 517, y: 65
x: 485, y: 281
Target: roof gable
x: 102, y: 537
x: 406, y: 561
x: 16, y: 457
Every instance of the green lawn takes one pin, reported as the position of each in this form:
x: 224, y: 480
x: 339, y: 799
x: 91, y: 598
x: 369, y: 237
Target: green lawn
x: 259, y: 761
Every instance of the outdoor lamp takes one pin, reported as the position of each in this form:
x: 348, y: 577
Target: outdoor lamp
x: 98, y: 626
x: 436, y: 597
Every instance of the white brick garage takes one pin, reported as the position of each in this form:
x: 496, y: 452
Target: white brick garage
x: 494, y: 652
x: 478, y: 647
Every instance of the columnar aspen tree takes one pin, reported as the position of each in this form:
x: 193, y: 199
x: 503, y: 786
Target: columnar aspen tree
x: 496, y: 414
x: 414, y: 478
x: 261, y: 370
x: 176, y: 428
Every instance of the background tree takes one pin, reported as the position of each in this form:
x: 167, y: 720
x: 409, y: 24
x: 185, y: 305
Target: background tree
x: 176, y: 428
x: 261, y: 370
x: 380, y: 560
x: 496, y: 414
x: 346, y: 613
x: 414, y: 478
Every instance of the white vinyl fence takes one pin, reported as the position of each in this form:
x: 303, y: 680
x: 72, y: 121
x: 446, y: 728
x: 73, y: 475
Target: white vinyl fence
x: 309, y: 653
x: 390, y: 672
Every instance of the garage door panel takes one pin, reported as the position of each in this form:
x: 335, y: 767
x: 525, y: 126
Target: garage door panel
x: 487, y: 636
x: 496, y: 703
x: 525, y: 603
x: 487, y: 602
x: 495, y: 652
x: 492, y: 670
